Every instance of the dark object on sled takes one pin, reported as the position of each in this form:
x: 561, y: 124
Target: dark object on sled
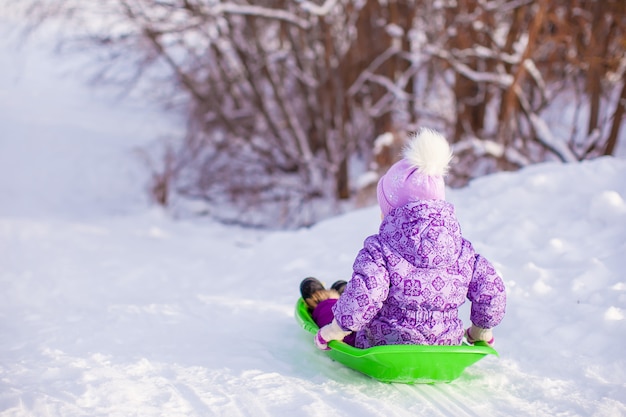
x: 407, y: 364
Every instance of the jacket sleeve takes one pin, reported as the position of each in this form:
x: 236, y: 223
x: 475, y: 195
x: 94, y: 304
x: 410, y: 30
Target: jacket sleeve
x: 365, y: 293
x: 487, y: 294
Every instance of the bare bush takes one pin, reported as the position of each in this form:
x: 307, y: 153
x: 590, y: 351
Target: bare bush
x: 533, y: 81
x: 281, y: 97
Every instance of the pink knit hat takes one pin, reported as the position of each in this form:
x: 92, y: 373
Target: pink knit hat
x: 418, y: 175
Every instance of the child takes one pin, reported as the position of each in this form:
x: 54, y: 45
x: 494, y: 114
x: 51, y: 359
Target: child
x: 410, y: 279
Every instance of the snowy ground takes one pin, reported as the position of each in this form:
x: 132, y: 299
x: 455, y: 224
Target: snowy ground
x: 110, y: 308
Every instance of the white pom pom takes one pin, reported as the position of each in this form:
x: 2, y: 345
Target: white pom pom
x: 429, y: 151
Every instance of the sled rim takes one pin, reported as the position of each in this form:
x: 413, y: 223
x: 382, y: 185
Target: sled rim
x: 401, y: 363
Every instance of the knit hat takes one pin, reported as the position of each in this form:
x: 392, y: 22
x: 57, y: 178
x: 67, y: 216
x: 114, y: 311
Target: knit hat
x: 418, y: 175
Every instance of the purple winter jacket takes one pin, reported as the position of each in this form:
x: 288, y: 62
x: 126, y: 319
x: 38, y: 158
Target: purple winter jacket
x: 410, y: 279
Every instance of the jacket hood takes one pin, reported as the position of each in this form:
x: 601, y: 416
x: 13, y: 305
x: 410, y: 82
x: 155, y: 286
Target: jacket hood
x: 425, y: 233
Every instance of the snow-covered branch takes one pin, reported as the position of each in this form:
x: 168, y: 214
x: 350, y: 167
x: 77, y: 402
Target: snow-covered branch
x: 318, y: 10
x: 275, y: 14
x: 480, y: 51
x: 546, y: 137
x: 493, y: 149
x: 371, y: 69
x: 534, y: 72
x: 501, y: 80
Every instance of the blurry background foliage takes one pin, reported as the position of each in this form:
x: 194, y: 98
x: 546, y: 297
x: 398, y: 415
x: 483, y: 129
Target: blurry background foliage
x: 292, y: 105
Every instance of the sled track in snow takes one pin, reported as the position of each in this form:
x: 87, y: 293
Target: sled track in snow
x: 439, y: 400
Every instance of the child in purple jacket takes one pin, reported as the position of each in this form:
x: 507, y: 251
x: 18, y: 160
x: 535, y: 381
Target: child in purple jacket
x: 410, y: 279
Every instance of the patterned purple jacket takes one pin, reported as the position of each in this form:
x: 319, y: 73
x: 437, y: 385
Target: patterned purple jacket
x: 410, y: 279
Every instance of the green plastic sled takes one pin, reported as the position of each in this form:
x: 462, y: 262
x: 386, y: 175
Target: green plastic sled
x: 407, y: 364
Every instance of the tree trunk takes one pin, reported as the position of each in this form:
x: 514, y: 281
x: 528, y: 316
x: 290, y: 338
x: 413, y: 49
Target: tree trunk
x: 618, y: 115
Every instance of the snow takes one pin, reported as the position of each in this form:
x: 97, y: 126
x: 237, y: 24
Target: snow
x: 109, y: 307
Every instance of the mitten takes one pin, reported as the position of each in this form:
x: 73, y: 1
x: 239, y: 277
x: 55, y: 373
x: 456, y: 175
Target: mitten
x: 329, y: 332
x: 475, y: 333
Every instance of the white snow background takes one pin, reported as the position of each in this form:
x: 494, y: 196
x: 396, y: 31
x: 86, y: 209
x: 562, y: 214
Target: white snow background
x: 109, y: 307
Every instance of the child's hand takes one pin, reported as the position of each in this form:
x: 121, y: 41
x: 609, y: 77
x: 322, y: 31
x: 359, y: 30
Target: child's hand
x: 475, y: 333
x: 329, y: 332
x: 320, y: 342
